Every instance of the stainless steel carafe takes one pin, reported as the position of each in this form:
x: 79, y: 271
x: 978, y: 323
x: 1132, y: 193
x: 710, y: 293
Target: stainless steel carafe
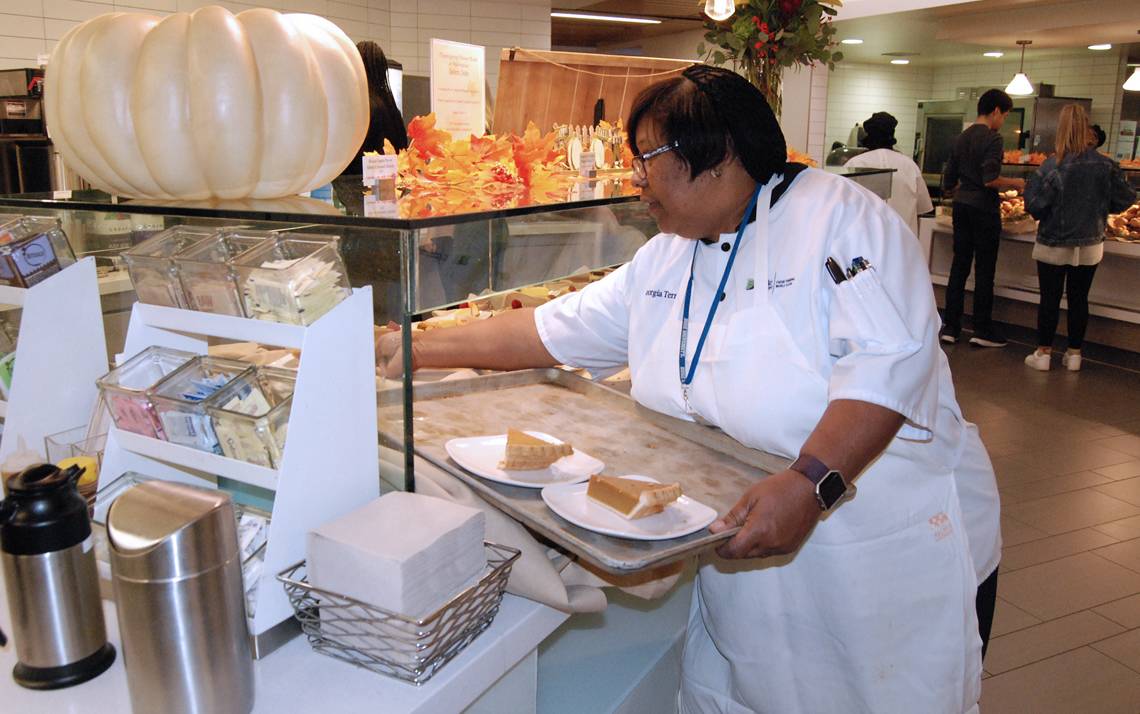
x: 53, y: 587
x: 176, y: 568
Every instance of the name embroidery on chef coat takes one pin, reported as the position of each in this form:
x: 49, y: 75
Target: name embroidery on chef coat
x: 667, y: 294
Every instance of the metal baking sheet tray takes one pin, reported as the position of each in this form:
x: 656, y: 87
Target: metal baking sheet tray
x: 710, y: 466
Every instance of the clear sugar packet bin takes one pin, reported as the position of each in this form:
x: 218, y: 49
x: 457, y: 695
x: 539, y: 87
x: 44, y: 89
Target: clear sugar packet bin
x: 251, y: 415
x: 180, y: 400
x: 206, y: 274
x: 294, y: 278
x: 32, y: 248
x: 152, y: 268
x: 125, y: 388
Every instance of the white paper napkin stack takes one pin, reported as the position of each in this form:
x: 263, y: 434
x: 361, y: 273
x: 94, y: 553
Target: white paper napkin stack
x: 404, y: 552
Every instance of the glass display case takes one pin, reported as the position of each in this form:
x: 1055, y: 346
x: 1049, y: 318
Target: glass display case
x: 418, y: 266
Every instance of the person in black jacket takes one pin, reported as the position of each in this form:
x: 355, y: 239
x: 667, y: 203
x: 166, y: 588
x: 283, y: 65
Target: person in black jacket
x: 974, y: 170
x: 1071, y: 194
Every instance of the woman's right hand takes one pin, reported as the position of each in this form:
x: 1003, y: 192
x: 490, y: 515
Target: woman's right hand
x: 389, y: 342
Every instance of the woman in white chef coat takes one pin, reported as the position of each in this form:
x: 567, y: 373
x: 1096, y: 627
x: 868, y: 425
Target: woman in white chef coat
x: 822, y: 602
x: 909, y: 195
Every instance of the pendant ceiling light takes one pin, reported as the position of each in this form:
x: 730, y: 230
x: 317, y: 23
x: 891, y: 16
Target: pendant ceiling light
x: 1132, y: 84
x: 1020, y: 86
x: 720, y: 9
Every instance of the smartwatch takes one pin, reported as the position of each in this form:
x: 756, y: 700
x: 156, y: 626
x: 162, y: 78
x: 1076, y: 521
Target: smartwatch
x: 830, y: 486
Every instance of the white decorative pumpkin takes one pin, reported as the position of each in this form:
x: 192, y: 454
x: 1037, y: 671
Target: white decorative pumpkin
x: 207, y: 104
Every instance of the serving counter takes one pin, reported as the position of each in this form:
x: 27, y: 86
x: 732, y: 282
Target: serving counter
x: 1113, y: 297
x: 496, y: 673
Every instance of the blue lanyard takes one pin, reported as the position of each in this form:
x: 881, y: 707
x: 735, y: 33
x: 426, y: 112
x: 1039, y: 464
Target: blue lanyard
x: 687, y: 379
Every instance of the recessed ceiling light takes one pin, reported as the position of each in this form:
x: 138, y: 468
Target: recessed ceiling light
x: 605, y: 18
x: 1100, y: 47
x: 900, y: 61
x: 993, y: 54
x: 851, y: 41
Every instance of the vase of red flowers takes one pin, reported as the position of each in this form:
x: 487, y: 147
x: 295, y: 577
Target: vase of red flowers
x: 764, y: 37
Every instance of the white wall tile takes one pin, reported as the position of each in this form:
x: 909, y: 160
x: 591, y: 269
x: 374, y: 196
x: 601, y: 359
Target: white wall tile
x: 535, y: 42
x: 445, y: 7
x: 22, y: 26
x: 496, y: 24
x: 21, y: 47
x: 75, y: 9
x: 501, y: 39
x: 314, y: 7
x: 532, y: 27
x: 161, y: 5
x: 56, y: 29
x: 403, y: 19
x: 426, y: 36
x: 30, y: 8
x: 443, y: 22
x: 495, y: 9
x: 343, y: 10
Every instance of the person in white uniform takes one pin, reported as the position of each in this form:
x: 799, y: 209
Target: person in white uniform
x: 821, y: 602
x: 909, y: 195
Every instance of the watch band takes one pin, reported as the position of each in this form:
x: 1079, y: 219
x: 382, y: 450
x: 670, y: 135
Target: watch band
x: 811, y: 467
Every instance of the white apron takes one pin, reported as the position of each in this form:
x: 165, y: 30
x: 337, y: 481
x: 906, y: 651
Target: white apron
x: 875, y: 613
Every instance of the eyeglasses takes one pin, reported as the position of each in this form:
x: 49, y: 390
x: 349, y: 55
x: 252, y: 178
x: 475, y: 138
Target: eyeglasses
x: 638, y: 162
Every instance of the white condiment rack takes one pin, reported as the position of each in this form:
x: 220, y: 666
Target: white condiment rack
x: 60, y: 353
x: 330, y: 464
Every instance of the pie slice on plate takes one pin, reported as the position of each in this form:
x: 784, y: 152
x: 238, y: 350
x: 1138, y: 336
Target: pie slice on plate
x: 630, y: 498
x: 527, y: 453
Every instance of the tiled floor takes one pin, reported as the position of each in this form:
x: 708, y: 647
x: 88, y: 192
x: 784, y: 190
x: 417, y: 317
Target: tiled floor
x: 1066, y: 448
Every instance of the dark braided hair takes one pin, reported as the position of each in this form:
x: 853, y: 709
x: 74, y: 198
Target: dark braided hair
x: 712, y: 113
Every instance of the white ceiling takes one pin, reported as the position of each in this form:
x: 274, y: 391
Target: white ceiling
x: 942, y: 32
x: 953, y: 34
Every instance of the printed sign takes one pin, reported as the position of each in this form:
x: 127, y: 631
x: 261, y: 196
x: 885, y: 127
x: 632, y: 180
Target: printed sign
x: 457, y: 80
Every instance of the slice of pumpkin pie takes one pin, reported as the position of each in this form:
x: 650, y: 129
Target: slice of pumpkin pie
x: 527, y: 453
x: 631, y: 498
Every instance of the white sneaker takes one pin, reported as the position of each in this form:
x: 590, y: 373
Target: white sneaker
x: 1038, y: 360
x: 1071, y: 361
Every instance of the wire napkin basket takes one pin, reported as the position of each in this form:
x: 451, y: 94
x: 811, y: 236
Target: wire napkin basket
x: 392, y: 644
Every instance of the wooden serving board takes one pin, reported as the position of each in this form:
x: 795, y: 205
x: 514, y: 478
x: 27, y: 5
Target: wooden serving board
x: 711, y: 467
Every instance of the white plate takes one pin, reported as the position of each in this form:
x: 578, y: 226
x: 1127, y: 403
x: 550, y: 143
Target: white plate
x: 680, y: 518
x: 481, y: 456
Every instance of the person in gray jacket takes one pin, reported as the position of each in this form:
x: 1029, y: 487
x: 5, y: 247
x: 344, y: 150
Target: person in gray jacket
x: 1071, y: 194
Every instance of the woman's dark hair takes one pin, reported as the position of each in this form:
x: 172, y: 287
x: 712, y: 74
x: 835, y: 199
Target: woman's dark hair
x: 712, y: 113
x: 385, y: 120
x: 994, y: 99
x: 1101, y: 137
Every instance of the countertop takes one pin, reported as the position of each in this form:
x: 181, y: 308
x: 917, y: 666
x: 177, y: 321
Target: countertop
x: 295, y: 679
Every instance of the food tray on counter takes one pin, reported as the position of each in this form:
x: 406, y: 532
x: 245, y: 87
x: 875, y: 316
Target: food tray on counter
x: 711, y: 467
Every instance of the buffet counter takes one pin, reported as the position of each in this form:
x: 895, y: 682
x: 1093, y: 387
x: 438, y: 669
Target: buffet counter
x: 1113, y: 296
x: 495, y: 673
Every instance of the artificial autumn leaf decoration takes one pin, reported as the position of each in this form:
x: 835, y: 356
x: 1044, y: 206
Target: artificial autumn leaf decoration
x: 439, y: 174
x: 764, y: 37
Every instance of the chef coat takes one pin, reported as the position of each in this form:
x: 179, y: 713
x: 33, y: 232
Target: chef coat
x: 784, y: 332
x: 909, y: 195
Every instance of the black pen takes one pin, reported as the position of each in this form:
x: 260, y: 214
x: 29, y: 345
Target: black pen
x: 835, y: 271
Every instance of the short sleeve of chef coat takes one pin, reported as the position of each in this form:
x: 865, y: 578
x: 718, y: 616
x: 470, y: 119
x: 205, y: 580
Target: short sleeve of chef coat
x: 886, y: 344
x: 589, y: 328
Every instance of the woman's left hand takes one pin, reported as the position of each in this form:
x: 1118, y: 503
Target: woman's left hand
x: 775, y: 515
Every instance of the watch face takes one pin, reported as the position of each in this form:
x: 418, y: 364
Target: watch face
x: 831, y: 488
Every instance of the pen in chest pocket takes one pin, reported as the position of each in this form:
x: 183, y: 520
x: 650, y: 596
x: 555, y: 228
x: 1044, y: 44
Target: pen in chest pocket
x: 834, y: 270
